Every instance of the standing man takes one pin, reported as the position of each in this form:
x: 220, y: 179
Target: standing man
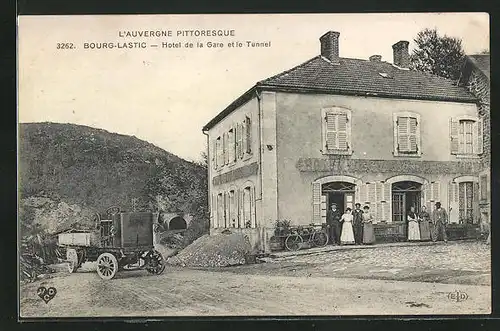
x: 333, y: 220
x: 357, y: 222
x: 439, y: 221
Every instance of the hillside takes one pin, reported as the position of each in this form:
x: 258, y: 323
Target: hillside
x: 67, y: 172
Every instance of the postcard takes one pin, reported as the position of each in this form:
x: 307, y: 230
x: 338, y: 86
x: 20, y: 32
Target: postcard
x: 254, y: 165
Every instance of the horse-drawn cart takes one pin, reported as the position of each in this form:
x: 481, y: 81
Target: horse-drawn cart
x: 124, y: 241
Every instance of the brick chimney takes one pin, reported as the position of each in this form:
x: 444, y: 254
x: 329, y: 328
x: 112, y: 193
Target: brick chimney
x: 330, y: 46
x: 375, y: 58
x: 401, y: 54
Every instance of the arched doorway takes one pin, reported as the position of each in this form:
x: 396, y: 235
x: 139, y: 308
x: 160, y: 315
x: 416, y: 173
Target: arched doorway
x: 177, y: 223
x: 404, y: 195
x: 340, y: 193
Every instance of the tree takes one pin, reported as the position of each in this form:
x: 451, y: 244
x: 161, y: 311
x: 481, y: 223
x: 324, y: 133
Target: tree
x: 438, y: 55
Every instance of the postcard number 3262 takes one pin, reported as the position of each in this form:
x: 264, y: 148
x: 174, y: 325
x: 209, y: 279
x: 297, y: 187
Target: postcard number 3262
x: 65, y: 46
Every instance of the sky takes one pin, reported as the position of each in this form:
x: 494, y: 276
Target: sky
x: 166, y: 95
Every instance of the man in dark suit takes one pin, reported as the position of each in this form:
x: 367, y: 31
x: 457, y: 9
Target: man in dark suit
x: 333, y: 221
x: 357, y: 224
x: 439, y: 222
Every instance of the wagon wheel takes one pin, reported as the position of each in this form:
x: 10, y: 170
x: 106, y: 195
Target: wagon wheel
x: 156, y: 263
x: 107, y: 266
x: 72, y: 258
x: 293, y: 242
x: 320, y: 239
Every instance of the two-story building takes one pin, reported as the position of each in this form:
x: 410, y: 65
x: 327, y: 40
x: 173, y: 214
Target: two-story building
x: 343, y: 130
x: 475, y: 77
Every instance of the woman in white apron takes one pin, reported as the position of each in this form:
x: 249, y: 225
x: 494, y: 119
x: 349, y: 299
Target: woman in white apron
x: 413, y: 226
x: 347, y: 237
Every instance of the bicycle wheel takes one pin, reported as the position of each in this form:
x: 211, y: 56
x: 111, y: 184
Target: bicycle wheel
x: 320, y: 239
x: 293, y: 242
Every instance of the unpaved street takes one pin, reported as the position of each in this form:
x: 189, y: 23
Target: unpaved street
x: 301, y: 285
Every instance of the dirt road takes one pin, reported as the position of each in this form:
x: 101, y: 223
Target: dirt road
x: 205, y: 293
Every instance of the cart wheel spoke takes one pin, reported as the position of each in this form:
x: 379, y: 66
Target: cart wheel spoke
x: 107, y: 266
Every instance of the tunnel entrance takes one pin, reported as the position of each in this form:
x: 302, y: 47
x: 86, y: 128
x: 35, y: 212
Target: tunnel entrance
x: 177, y: 223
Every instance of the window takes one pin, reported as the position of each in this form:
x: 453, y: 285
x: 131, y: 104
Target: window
x: 231, y: 146
x: 239, y: 141
x: 336, y: 131
x: 466, y: 136
x: 484, y: 187
x: 220, y: 210
x: 407, y: 134
x: 248, y: 206
x: 465, y: 202
x: 248, y: 135
x: 232, y: 209
x: 220, y: 152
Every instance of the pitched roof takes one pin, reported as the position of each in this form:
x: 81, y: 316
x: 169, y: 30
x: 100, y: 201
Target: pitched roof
x: 482, y: 62
x: 370, y: 78
x: 356, y: 77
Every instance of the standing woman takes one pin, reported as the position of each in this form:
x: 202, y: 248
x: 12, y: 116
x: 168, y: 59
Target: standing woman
x: 347, y: 237
x: 424, y: 220
x: 368, y: 232
x: 413, y: 228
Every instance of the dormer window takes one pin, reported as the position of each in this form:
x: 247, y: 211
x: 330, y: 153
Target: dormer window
x: 385, y: 75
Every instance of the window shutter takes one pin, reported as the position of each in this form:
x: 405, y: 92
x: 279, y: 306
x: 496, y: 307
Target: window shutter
x: 435, y: 194
x: 214, y: 155
x: 412, y: 134
x: 453, y: 202
x: 213, y: 211
x: 225, y: 210
x: 427, y: 196
x: 363, y: 193
x: 243, y: 138
x: 475, y: 202
x: 252, y: 207
x: 387, y: 192
x: 403, y: 134
x: 478, y: 137
x: 454, y: 135
x: 248, y: 134
x: 323, y: 208
x: 371, y: 193
x: 239, y: 141
x: 379, y: 212
x: 342, y: 131
x: 316, y: 202
x: 331, y: 131
x: 385, y: 211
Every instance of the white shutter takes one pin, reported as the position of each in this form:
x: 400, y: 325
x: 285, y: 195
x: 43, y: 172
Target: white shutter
x: 403, y: 134
x: 412, y: 134
x: 478, y: 137
x: 331, y: 131
x: 427, y: 196
x: 214, y: 154
x: 475, y: 202
x: 248, y: 134
x: 316, y: 195
x: 213, y: 210
x: 453, y: 202
x: 454, y: 135
x: 435, y: 191
x: 387, y: 192
x: 371, y: 193
x: 378, y: 211
x: 243, y: 138
x: 363, y: 193
x: 323, y: 208
x: 239, y: 140
x: 252, y: 207
x: 385, y: 211
x: 342, y: 131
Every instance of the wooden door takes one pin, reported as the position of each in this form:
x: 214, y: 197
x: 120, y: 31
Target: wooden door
x: 349, y: 200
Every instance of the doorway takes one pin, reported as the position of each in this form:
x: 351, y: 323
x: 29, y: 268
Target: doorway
x: 405, y: 195
x: 340, y: 193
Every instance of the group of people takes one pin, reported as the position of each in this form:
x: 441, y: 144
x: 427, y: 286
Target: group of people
x: 355, y: 227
